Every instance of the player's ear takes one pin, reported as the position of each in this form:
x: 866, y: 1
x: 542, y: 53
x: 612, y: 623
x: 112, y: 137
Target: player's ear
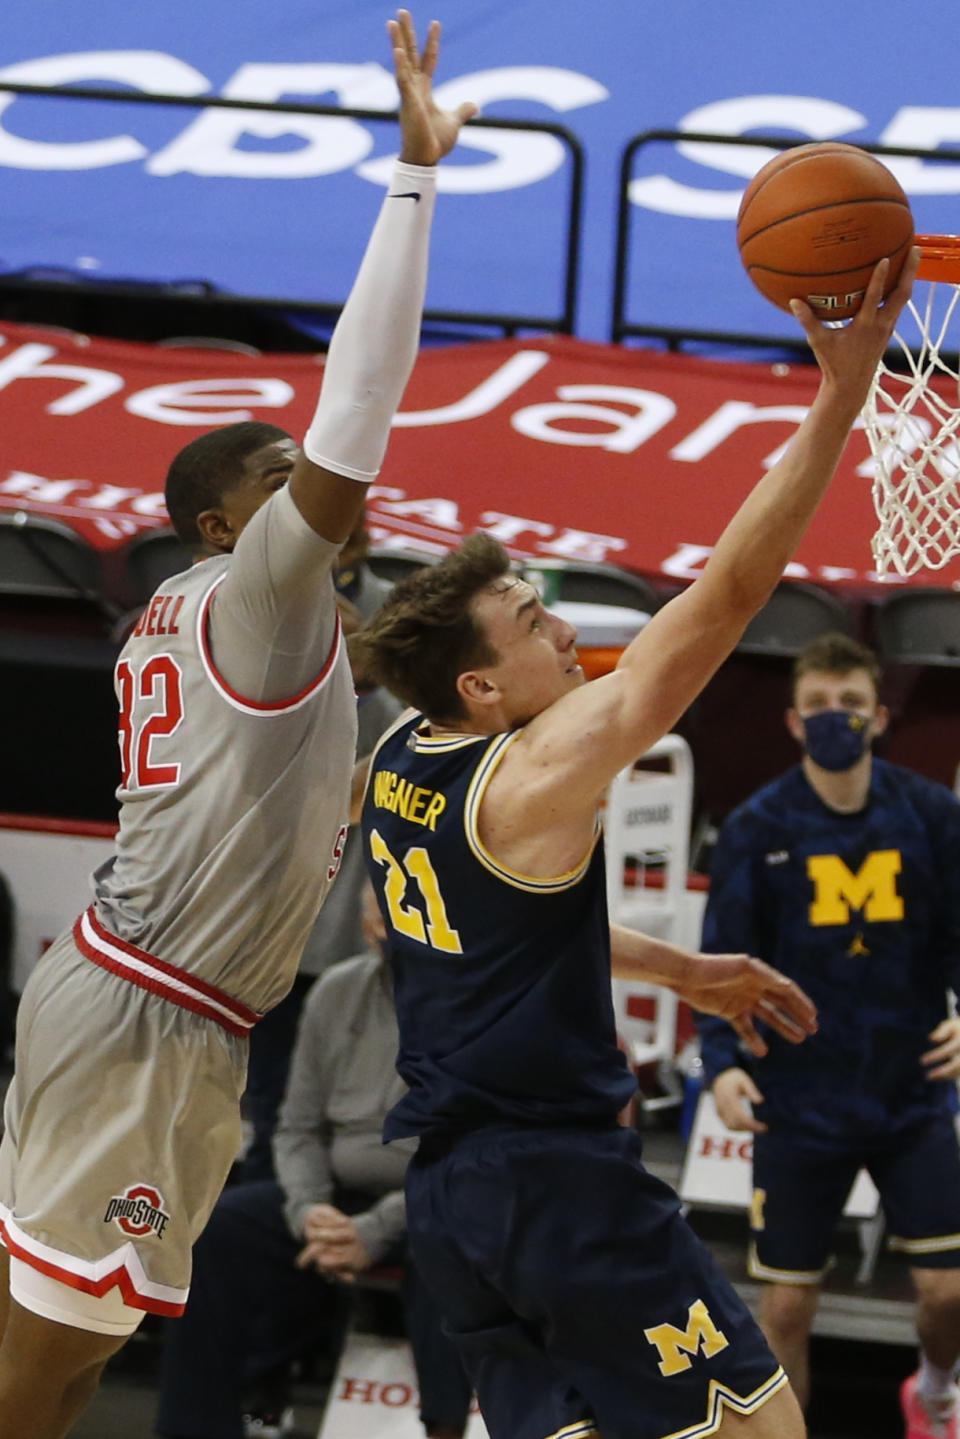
x: 475, y: 687
x: 794, y: 724
x: 881, y: 720
x: 216, y: 529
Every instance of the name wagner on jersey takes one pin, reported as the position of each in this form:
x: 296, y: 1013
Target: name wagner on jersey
x: 411, y: 801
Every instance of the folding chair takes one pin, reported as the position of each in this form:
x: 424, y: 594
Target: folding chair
x: 647, y: 842
x: 151, y: 558
x: 919, y: 627
x: 917, y: 634
x: 597, y: 584
x: 394, y: 564
x: 795, y: 614
x: 43, y: 558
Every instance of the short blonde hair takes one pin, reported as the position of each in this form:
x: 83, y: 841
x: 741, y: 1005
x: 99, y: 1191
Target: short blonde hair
x: 835, y: 654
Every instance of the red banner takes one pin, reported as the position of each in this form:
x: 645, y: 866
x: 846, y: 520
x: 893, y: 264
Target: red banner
x: 560, y: 447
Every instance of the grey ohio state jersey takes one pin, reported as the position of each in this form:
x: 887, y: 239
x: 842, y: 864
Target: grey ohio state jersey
x: 233, y: 810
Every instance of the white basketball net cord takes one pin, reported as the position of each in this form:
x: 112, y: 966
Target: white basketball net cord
x: 913, y: 432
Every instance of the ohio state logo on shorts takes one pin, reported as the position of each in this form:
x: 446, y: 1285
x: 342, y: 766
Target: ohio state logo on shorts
x: 138, y: 1211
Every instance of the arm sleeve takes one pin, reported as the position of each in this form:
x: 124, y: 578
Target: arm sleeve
x: 274, y: 619
x: 382, y: 1225
x: 377, y: 335
x: 301, y: 1142
x: 728, y: 928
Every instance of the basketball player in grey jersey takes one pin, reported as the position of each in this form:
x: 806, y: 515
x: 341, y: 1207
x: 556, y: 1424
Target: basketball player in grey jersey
x: 237, y: 730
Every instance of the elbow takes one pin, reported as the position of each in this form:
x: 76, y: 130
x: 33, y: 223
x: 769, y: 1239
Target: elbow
x: 742, y: 596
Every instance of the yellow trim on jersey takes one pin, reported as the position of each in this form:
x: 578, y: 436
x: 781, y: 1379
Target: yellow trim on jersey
x: 756, y: 1270
x: 719, y: 1398
x: 391, y: 729
x: 471, y: 816
x: 579, y: 1430
x: 440, y: 743
x: 935, y: 1245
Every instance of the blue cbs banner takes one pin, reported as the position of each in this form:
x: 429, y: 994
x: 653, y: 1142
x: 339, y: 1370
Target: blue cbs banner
x: 280, y: 206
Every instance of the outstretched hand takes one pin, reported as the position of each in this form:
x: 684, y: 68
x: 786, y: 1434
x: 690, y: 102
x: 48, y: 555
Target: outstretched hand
x: 741, y: 990
x: 848, y: 355
x: 428, y: 133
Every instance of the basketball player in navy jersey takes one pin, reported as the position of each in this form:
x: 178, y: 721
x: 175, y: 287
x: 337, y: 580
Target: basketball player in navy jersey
x: 581, y: 1301
x: 237, y: 735
x: 843, y: 873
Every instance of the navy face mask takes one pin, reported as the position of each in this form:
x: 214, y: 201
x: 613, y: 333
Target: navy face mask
x: 835, y: 739
x: 347, y: 582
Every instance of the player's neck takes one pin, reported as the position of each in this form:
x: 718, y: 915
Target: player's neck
x: 436, y: 730
x: 479, y: 720
x: 844, y: 790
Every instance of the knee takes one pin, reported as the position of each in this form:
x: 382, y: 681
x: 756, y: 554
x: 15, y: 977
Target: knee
x: 787, y: 1311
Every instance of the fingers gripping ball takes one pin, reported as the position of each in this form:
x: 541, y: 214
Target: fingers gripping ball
x: 815, y: 221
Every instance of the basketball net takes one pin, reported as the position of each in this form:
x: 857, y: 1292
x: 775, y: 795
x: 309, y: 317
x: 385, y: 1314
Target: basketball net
x: 912, y: 420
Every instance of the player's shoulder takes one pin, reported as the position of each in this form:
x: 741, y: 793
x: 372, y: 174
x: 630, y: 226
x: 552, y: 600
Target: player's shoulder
x: 196, y: 579
x: 397, y: 731
x: 198, y: 576
x: 171, y: 608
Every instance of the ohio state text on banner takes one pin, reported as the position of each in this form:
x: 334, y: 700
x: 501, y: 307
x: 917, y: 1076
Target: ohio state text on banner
x: 561, y: 448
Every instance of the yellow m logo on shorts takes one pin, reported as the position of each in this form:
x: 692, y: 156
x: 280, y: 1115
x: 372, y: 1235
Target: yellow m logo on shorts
x: 675, y: 1345
x: 757, y: 1220
x: 837, y: 890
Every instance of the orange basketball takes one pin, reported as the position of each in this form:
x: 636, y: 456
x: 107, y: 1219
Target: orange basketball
x: 815, y: 221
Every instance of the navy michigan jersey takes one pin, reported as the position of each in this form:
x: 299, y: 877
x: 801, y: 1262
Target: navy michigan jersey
x: 502, y: 981
x: 863, y: 911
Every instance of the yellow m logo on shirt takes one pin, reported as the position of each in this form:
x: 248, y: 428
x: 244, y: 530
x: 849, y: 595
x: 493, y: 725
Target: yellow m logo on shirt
x: 675, y: 1345
x: 837, y: 890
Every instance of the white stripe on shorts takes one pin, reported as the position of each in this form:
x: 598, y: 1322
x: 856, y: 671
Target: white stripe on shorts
x: 120, y: 1269
x: 145, y: 970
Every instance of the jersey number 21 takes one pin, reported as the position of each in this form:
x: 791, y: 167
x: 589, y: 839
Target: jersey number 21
x: 427, y: 921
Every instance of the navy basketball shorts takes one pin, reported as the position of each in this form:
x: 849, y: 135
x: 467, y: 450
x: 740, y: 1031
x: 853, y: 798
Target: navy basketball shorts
x: 578, y: 1296
x: 801, y: 1184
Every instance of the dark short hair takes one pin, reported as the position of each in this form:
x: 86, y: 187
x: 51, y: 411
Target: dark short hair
x: 205, y: 469
x: 425, y: 635
x: 835, y: 654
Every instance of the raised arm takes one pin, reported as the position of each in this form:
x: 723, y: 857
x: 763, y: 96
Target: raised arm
x: 269, y: 622
x: 375, y: 342
x: 574, y: 748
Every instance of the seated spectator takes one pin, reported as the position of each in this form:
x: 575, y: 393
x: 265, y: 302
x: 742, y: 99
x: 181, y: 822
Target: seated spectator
x: 273, y: 1266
